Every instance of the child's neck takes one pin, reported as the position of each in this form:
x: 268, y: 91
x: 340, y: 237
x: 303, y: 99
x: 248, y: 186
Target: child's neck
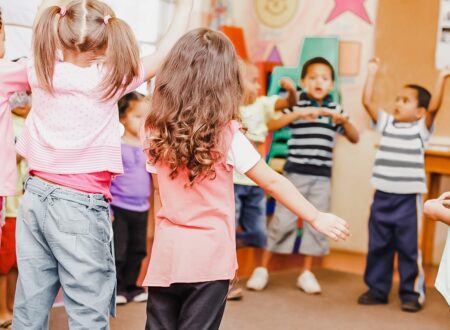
x: 129, y: 138
x: 81, y: 60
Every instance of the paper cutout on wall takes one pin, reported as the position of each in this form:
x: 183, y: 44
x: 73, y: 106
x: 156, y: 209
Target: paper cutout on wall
x: 275, y: 13
x: 349, y: 58
x: 354, y: 6
x: 274, y: 56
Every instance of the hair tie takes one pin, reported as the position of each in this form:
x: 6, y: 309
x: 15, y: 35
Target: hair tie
x: 106, y: 19
x: 62, y: 12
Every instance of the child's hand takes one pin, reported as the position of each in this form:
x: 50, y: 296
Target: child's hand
x: 309, y: 113
x: 287, y: 84
x: 373, y: 65
x: 337, y: 118
x: 444, y: 196
x: 331, y: 226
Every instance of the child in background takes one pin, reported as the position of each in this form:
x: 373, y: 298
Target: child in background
x: 193, y: 144
x: 399, y: 180
x: 13, y: 78
x: 71, y: 142
x: 130, y: 203
x: 439, y: 210
x: 20, y: 104
x: 314, y: 122
x: 256, y: 112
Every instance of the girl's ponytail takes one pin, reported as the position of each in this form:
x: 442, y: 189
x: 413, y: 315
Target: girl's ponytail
x: 45, y: 44
x: 122, y: 56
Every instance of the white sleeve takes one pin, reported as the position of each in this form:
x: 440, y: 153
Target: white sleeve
x: 242, y: 155
x: 150, y: 168
x: 425, y: 133
x: 383, y: 118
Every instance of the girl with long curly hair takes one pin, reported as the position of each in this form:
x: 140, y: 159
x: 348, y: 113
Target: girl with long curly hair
x: 193, y: 142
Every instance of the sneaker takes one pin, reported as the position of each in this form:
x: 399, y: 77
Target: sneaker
x: 308, y: 283
x: 141, y: 297
x: 368, y: 298
x: 259, y: 279
x: 121, y: 299
x: 411, y: 306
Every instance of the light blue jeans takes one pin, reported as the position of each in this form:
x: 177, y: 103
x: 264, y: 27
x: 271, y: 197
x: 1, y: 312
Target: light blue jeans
x: 64, y: 239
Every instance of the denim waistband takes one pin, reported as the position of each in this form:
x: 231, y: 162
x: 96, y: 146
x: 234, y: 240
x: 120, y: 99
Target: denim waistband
x: 46, y: 190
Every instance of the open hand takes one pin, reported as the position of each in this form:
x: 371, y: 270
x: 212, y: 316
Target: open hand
x: 331, y: 226
x: 287, y: 84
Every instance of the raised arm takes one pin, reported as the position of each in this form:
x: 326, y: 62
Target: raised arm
x: 436, y: 99
x: 367, y: 98
x: 286, y: 193
x: 291, y: 98
x: 176, y: 29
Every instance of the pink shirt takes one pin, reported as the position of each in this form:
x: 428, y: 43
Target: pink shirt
x: 91, y: 183
x: 195, y: 228
x: 13, y: 78
x: 73, y: 131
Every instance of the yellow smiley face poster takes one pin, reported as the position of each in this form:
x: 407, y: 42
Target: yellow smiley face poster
x: 275, y: 13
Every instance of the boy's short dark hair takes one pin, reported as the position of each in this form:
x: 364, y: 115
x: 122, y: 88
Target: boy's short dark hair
x: 316, y: 60
x: 124, y: 102
x: 423, y: 95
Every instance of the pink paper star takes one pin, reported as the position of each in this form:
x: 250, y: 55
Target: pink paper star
x: 354, y: 6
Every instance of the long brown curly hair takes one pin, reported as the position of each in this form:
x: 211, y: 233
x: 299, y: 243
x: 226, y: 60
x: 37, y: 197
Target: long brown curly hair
x: 197, y: 94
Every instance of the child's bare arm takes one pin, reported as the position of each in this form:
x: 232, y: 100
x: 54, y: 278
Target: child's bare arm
x: 435, y: 210
x: 310, y: 114
x: 350, y: 130
x: 156, y: 196
x: 286, y: 193
x: 367, y: 98
x: 436, y: 99
x: 291, y: 99
x: 176, y: 30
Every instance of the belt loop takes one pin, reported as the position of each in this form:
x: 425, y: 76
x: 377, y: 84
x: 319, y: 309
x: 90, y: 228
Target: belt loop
x: 91, y: 202
x: 25, y: 183
x: 47, y: 194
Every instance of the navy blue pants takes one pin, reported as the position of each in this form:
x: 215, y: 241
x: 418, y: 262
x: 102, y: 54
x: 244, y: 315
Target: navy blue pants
x: 393, y: 228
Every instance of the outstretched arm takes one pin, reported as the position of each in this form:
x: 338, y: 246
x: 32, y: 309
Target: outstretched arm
x: 436, y: 99
x: 439, y: 209
x: 177, y: 28
x: 367, y: 98
x: 291, y: 98
x: 286, y: 193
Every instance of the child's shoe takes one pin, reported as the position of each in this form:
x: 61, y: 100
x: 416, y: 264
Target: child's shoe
x: 308, y: 283
x: 411, y: 306
x: 259, y: 279
x: 121, y: 299
x: 139, y: 297
x: 368, y: 298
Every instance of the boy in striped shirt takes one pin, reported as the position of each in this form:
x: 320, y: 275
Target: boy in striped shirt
x: 399, y: 180
x: 314, y: 122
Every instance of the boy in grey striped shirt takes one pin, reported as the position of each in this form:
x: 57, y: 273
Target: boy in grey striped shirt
x: 314, y: 121
x: 399, y: 180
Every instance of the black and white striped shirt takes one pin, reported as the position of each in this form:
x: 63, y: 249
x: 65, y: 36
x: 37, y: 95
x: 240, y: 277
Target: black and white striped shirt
x: 399, y: 162
x: 312, y: 142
